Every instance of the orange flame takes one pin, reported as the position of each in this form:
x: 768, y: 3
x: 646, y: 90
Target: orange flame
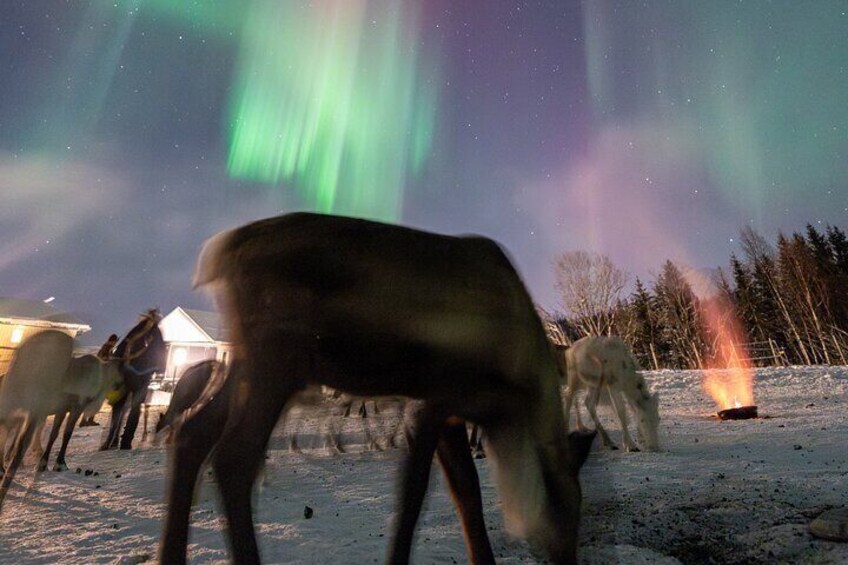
x: 729, y: 378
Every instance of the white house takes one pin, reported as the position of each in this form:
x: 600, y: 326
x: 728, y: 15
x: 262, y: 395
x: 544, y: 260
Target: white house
x: 21, y: 318
x: 192, y: 336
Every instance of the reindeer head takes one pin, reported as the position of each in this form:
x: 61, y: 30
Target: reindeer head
x: 649, y: 419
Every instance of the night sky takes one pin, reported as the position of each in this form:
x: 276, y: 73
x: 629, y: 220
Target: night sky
x: 130, y: 131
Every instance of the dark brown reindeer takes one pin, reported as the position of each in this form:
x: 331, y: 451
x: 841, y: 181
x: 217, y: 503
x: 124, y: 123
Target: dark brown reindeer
x: 372, y: 309
x: 193, y: 381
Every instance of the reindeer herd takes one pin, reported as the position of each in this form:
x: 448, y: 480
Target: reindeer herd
x: 313, y: 302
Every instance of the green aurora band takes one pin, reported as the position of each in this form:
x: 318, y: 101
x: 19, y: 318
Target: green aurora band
x: 334, y: 99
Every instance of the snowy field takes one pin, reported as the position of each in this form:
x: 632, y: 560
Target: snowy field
x: 719, y: 492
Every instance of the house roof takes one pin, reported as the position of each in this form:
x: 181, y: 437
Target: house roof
x: 209, y: 322
x: 36, y: 310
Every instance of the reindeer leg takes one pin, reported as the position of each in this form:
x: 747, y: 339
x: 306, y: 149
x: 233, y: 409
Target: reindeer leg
x: 294, y: 446
x: 396, y: 425
x: 560, y: 471
x: 579, y: 425
x: 570, y: 393
x: 241, y: 450
x: 75, y: 414
x: 21, y: 444
x: 11, y: 435
x: 292, y: 427
x: 372, y: 439
x: 398, y: 428
x: 333, y: 433
x: 4, y: 436
x: 194, y: 439
x: 38, y: 449
x: 54, y: 433
x: 621, y: 410
x: 464, y: 483
x: 139, y: 395
x: 477, y: 442
x: 114, y: 425
x: 416, y: 477
x: 337, y: 429
x: 591, y: 405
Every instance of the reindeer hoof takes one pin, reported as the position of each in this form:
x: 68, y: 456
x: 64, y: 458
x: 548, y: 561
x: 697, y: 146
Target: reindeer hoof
x: 42, y: 466
x: 634, y: 449
x: 59, y: 467
x: 612, y: 447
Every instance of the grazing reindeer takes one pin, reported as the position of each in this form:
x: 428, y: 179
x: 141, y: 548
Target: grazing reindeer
x: 601, y: 364
x: 378, y: 310
x: 335, y: 406
x: 31, y: 390
x: 196, y: 378
x: 86, y: 382
x: 380, y: 407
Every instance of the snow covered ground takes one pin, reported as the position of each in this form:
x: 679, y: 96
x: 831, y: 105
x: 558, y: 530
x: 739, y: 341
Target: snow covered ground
x: 720, y: 492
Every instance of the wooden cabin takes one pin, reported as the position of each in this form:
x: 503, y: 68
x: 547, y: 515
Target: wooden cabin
x: 192, y: 336
x: 21, y: 318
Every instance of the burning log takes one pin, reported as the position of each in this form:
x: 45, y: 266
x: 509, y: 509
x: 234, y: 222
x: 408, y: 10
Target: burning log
x: 738, y: 413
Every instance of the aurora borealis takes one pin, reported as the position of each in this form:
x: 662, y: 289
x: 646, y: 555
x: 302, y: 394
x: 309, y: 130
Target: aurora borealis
x: 132, y: 130
x: 331, y: 97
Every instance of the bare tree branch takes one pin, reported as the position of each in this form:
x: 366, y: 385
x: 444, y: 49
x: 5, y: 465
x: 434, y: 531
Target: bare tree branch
x: 590, y: 287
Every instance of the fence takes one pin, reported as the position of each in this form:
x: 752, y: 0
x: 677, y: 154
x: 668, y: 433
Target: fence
x: 765, y: 353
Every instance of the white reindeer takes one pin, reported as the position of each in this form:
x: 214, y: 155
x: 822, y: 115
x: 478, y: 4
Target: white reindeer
x: 84, y: 386
x: 30, y: 391
x: 45, y: 379
x: 604, y: 367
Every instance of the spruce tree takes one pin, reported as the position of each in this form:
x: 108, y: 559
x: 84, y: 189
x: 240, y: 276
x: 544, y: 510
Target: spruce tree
x: 679, y: 314
x: 648, y: 347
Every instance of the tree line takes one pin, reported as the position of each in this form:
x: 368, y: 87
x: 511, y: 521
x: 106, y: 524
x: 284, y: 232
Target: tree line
x: 778, y: 303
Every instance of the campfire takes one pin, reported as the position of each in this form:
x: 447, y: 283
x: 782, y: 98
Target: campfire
x: 732, y: 387
x: 733, y: 391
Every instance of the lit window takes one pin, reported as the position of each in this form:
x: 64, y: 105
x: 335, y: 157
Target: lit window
x: 17, y: 334
x: 180, y: 356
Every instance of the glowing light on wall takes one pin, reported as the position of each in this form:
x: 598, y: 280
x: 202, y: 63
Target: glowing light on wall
x: 335, y: 99
x: 179, y: 356
x: 17, y: 334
